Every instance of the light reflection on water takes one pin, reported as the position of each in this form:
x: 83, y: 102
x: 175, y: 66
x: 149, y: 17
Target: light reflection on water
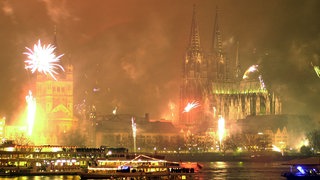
x: 241, y: 170
x: 212, y: 170
x: 42, y: 178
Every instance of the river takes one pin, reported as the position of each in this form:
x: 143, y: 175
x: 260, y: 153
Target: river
x: 242, y: 170
x: 217, y: 170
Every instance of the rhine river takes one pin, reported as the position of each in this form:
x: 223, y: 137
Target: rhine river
x: 212, y: 170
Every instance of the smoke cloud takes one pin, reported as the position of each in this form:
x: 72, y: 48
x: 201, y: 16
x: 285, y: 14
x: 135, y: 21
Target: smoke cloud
x: 129, y: 53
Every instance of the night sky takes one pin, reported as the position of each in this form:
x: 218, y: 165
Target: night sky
x: 131, y: 51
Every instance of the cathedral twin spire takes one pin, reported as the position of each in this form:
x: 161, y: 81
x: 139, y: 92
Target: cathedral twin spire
x: 216, y: 37
x: 194, y: 43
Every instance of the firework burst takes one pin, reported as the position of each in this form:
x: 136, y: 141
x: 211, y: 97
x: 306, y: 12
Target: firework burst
x: 190, y: 106
x: 251, y: 69
x: 43, y: 59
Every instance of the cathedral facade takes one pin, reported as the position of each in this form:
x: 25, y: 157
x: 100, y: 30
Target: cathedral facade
x: 218, y: 86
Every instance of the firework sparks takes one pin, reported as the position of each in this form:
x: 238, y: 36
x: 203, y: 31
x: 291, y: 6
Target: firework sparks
x: 221, y: 129
x: 114, y: 112
x: 172, y: 107
x: 31, y: 111
x: 214, y: 111
x: 190, y: 106
x: 43, y: 59
x: 317, y: 70
x: 252, y: 68
x: 262, y: 85
x: 275, y: 148
x: 134, y: 133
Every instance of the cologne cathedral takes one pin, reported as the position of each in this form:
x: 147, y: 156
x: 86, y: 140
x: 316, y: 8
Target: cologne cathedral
x: 214, y: 85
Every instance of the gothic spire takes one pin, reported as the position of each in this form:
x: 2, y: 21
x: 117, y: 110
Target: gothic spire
x: 238, y: 69
x: 222, y: 67
x: 194, y: 43
x: 216, y: 38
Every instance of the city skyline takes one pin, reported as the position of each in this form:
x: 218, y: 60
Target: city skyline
x: 129, y: 54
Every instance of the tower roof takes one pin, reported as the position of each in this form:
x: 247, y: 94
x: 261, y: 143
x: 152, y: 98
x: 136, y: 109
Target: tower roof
x: 194, y: 42
x: 216, y: 37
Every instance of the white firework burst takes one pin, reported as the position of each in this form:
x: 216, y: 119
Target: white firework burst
x: 43, y: 59
x: 191, y: 105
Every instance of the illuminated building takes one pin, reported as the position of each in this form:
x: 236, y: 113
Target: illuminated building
x: 55, y: 103
x: 215, y: 81
x: 195, y: 81
x: 284, y: 131
x: 281, y: 138
x: 18, y: 133
x: 116, y: 131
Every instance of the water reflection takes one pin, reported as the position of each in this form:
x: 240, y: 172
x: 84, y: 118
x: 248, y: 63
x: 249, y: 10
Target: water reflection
x: 42, y: 178
x: 212, y: 170
x: 241, y: 170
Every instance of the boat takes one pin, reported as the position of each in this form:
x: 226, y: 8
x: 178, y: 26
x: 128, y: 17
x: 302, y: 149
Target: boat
x: 93, y: 163
x: 19, y: 160
x: 307, y: 168
x: 140, y: 167
x: 191, y: 165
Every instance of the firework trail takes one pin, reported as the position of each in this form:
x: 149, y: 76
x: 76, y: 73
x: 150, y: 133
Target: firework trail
x: 221, y: 128
x: 190, y: 106
x: 262, y: 85
x: 43, y: 59
x: 134, y: 134
x: 31, y: 101
x: 252, y: 68
x: 114, y: 112
x: 317, y: 70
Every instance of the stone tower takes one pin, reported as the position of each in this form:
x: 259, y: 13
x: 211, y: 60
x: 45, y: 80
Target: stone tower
x: 55, y: 102
x: 194, y: 81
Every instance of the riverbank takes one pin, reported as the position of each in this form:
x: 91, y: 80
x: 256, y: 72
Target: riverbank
x: 229, y: 157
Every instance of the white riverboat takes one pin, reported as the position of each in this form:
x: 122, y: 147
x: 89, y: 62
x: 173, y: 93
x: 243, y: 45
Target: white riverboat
x: 141, y: 167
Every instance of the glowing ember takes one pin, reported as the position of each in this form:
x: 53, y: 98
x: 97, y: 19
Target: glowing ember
x: 251, y: 69
x: 43, y: 59
x: 31, y: 101
x: 114, y: 112
x: 214, y: 111
x: 262, y: 85
x: 190, y: 106
x: 221, y: 128
x: 317, y: 69
x: 172, y: 107
x: 275, y: 148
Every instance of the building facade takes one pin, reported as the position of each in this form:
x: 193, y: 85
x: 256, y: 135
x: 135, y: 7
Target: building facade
x: 55, y: 105
x: 195, y: 82
x: 216, y: 83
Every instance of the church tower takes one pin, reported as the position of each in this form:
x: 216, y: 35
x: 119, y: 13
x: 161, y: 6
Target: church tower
x: 217, y: 59
x: 55, y: 101
x: 194, y: 83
